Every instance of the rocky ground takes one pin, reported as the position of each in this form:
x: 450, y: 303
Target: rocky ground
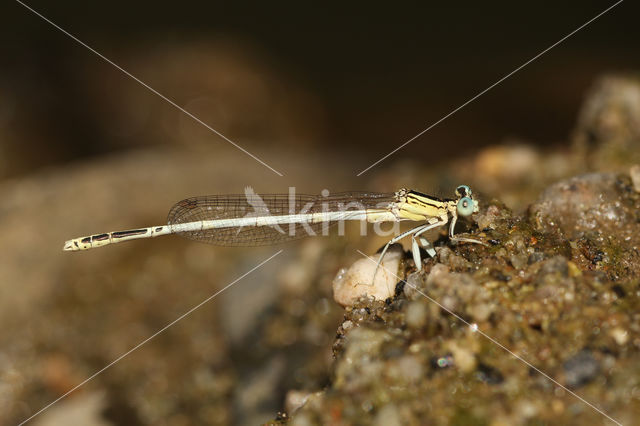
x: 477, y: 336
x: 557, y: 285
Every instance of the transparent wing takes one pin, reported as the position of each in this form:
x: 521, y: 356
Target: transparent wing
x: 214, y: 207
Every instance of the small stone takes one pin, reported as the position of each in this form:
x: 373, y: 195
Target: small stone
x: 488, y: 218
x: 388, y: 416
x: 535, y: 257
x: 557, y: 265
x: 450, y: 303
x: 347, y: 325
x: 526, y: 409
x: 464, y: 359
x: 620, y: 335
x: 302, y: 419
x: 295, y: 399
x: 406, y: 368
x: 582, y: 204
x: 574, y: 271
x: 449, y: 258
x: 438, y: 273
x: 481, y: 311
x: 581, y: 369
x: 414, y: 282
x: 416, y: 315
x: 519, y: 261
x: 359, y: 365
x: 358, y: 281
x: 489, y: 374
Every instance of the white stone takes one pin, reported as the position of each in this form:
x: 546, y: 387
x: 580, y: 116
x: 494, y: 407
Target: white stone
x: 464, y: 359
x: 416, y: 315
x: 358, y: 281
x: 295, y: 399
x: 620, y: 335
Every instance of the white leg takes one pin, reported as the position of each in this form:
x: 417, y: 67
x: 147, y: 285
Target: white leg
x: 415, y: 251
x: 441, y: 221
x: 427, y: 246
x: 393, y: 241
x: 415, y: 231
x: 452, y: 225
x: 401, y: 236
x: 461, y: 239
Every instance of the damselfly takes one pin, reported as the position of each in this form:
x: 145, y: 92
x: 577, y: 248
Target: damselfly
x: 251, y: 219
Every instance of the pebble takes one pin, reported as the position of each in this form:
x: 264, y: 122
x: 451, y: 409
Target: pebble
x: 302, y: 419
x: 416, y: 315
x: 356, y: 282
x: 295, y: 399
x: 438, y: 274
x: 481, y: 311
x: 359, y: 365
x: 407, y: 369
x: 581, y: 204
x: 581, y: 369
x: 347, y: 325
x: 519, y: 261
x: 526, y: 409
x: 388, y: 416
x: 414, y: 282
x: 487, y: 218
x: 620, y: 335
x: 463, y: 358
x: 489, y: 374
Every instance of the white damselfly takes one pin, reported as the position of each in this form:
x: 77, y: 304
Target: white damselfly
x: 251, y: 219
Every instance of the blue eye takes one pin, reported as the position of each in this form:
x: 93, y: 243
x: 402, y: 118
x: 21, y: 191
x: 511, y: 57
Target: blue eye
x: 465, y: 206
x: 463, y: 191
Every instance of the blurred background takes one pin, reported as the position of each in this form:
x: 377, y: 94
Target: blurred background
x: 318, y: 93
x: 360, y: 80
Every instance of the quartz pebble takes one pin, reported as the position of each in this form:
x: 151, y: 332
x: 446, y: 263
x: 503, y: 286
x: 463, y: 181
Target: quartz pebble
x: 297, y: 398
x: 358, y: 282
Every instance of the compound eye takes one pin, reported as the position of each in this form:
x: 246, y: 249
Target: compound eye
x: 463, y: 191
x: 465, y: 206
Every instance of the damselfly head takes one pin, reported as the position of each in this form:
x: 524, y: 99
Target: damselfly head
x: 466, y: 204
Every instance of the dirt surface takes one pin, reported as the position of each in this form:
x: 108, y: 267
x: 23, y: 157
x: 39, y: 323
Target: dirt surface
x: 478, y: 335
x: 557, y: 285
